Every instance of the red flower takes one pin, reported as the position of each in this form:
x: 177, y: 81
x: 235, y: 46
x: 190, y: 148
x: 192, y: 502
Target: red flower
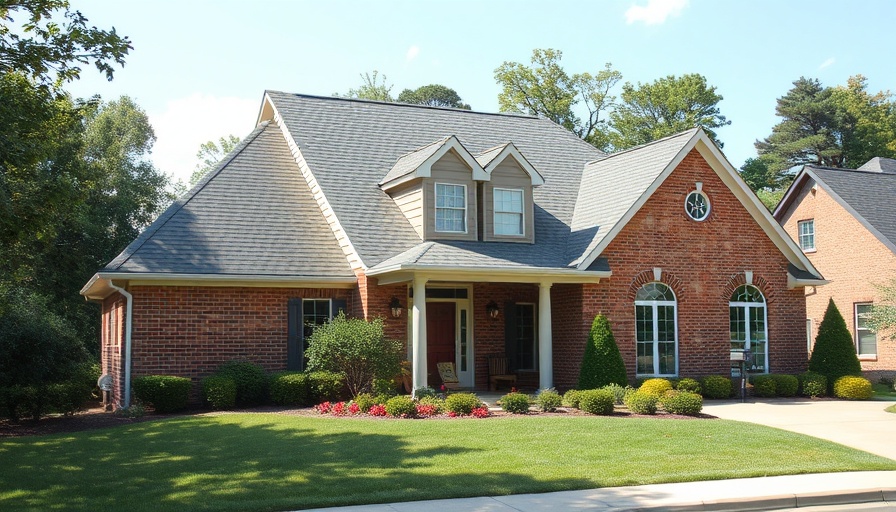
x: 480, y: 412
x: 377, y: 410
x: 426, y: 410
x: 323, y: 408
x: 354, y: 408
x: 339, y: 409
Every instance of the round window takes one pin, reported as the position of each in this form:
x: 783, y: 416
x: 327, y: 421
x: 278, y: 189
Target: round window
x: 697, y: 206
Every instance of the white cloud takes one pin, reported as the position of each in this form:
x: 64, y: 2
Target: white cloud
x: 188, y: 122
x: 413, y: 51
x: 655, y: 12
x: 827, y: 63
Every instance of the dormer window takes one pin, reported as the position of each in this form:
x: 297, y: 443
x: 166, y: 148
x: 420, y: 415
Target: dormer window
x: 451, y: 208
x: 508, y: 211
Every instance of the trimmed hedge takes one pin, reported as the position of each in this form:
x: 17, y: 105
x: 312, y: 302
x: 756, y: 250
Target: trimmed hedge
x: 716, y: 386
x: 548, y: 400
x: 289, y: 388
x: 325, y: 386
x: 515, y: 403
x: 365, y: 401
x: 251, y: 381
x: 688, y: 384
x: 764, y: 386
x: 596, y: 401
x: 601, y: 363
x: 813, y: 384
x: 219, y: 392
x: 434, y: 401
x: 656, y: 386
x: 401, y: 406
x: 571, y: 398
x: 785, y: 385
x: 462, y: 403
x: 165, y: 393
x: 853, y: 388
x: 682, y: 402
x: 642, y: 402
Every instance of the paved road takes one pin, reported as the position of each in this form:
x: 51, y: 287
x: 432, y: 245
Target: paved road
x: 862, y: 425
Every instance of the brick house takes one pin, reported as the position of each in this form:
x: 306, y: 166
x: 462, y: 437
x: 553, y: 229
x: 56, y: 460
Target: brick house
x: 845, y: 222
x: 473, y: 235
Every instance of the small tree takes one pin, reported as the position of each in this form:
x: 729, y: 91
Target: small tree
x: 602, y: 363
x: 357, y: 348
x: 834, y: 354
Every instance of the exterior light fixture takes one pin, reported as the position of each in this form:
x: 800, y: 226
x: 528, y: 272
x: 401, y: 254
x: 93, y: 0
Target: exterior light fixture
x: 396, y: 307
x: 492, y: 309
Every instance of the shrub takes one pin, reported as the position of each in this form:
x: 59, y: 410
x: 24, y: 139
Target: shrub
x: 571, y: 398
x: 324, y: 386
x: 433, y: 401
x: 619, y: 392
x: 850, y: 387
x: 401, y: 406
x: 548, y: 400
x: 596, y: 401
x: 813, y: 384
x: 785, y: 385
x: 462, y: 403
x: 365, y: 401
x: 71, y: 395
x: 250, y: 379
x: 656, y: 386
x: 289, y: 388
x: 425, y: 391
x: 834, y: 354
x: 642, y: 402
x: 602, y: 363
x: 764, y: 386
x: 165, y: 393
x: 688, y: 384
x: 219, y: 392
x: 356, y: 348
x: 716, y: 386
x: 516, y: 403
x: 682, y: 402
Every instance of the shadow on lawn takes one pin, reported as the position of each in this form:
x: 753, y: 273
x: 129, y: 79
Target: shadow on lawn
x: 239, y: 464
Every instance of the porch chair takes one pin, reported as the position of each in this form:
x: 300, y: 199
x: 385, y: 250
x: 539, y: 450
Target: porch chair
x: 448, y: 375
x: 497, y: 372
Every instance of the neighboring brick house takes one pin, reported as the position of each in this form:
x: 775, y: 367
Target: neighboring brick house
x: 487, y: 234
x: 845, y: 222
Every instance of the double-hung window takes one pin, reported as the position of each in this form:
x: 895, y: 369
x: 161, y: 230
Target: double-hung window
x: 508, y: 211
x: 451, y: 208
x: 807, y: 234
x: 866, y: 338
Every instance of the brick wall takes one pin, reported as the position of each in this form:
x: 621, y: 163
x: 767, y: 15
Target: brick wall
x: 112, y: 341
x: 489, y: 332
x: 702, y: 262
x: 853, y: 260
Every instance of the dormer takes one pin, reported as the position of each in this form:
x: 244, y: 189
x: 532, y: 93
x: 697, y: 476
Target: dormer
x: 446, y: 193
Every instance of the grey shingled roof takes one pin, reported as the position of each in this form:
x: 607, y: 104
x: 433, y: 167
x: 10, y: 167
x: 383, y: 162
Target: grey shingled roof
x: 872, y: 194
x: 409, y: 162
x: 253, y: 215
x: 484, y: 158
x: 350, y: 145
x: 612, y: 185
x: 879, y: 164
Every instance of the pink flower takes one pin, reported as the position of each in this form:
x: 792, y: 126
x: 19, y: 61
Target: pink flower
x: 452, y: 414
x: 339, y: 409
x: 354, y: 408
x: 377, y: 410
x: 323, y: 408
x: 426, y: 410
x: 480, y: 412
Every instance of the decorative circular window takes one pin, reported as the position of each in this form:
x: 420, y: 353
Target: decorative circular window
x: 697, y: 206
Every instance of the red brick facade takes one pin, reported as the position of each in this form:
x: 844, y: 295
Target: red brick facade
x: 853, y: 259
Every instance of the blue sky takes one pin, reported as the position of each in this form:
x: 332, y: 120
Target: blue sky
x: 199, y: 68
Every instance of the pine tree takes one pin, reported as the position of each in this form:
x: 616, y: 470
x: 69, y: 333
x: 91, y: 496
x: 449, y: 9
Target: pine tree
x: 834, y: 354
x: 602, y: 363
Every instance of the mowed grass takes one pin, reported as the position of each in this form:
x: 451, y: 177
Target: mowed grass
x: 282, y: 462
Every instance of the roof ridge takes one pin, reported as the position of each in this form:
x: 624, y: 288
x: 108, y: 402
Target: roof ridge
x: 433, y: 143
x: 844, y: 169
x: 399, y: 104
x: 180, y: 202
x: 646, y: 144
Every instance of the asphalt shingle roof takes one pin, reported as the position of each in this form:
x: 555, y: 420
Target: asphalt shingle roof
x: 253, y: 215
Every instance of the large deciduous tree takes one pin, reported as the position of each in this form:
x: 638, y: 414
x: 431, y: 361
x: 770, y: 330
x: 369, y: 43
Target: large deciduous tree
x: 210, y: 154
x: 434, y: 95
x: 372, y: 88
x: 666, y: 106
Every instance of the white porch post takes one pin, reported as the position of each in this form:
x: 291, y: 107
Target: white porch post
x: 545, y: 342
x: 418, y: 334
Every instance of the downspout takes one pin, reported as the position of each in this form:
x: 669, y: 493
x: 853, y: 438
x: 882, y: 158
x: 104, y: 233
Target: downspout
x: 126, y: 400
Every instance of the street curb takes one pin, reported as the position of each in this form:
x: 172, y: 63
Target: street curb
x: 783, y: 501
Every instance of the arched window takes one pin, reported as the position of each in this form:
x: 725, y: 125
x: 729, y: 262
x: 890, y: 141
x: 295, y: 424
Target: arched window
x: 749, y: 329
x: 656, y: 330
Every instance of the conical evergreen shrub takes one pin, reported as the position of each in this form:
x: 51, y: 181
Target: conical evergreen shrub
x: 602, y: 363
x: 834, y: 354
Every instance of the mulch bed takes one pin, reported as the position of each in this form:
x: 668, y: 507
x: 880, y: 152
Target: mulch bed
x: 97, y: 418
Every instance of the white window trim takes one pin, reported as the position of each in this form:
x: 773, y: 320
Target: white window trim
x: 855, y: 316
x: 521, y: 213
x: 748, y: 306
x: 435, y: 201
x: 799, y: 231
x: 655, y: 342
x: 708, y: 206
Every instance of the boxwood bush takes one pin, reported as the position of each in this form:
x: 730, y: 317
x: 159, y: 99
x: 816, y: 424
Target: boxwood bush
x: 688, y: 384
x: 325, y: 386
x: 682, y: 402
x: 548, y: 400
x: 365, y: 401
x: 597, y: 401
x: 401, y: 406
x: 656, y: 386
x: 853, y: 388
x: 289, y: 388
x: 813, y: 384
x: 764, y: 386
x: 785, y: 385
x: 165, y: 393
x: 251, y: 381
x: 571, y: 398
x: 462, y: 403
x: 516, y: 403
x: 219, y: 392
x: 434, y: 401
x: 642, y: 402
x: 716, y: 386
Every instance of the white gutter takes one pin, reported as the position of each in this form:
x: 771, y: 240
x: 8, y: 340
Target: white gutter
x: 126, y: 400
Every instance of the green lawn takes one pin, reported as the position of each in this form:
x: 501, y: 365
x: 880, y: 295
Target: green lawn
x: 281, y: 462
x: 883, y: 392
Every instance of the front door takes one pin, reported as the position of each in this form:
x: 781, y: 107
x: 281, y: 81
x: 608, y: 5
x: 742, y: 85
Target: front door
x: 440, y: 338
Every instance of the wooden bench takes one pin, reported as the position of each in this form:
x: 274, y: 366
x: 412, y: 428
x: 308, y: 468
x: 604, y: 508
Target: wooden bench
x: 497, y: 372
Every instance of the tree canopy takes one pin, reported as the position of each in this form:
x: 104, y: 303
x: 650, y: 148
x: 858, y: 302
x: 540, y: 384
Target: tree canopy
x: 434, y: 95
x: 210, y: 153
x: 371, y: 88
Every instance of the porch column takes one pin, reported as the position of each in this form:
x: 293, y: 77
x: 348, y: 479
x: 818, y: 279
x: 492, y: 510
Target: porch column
x: 545, y: 342
x: 418, y: 335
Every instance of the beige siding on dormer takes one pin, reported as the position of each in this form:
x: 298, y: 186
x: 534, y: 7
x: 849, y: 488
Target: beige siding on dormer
x: 508, y: 175
x: 452, y: 170
x: 409, y: 199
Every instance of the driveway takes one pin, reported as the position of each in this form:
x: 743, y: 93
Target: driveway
x: 862, y: 425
